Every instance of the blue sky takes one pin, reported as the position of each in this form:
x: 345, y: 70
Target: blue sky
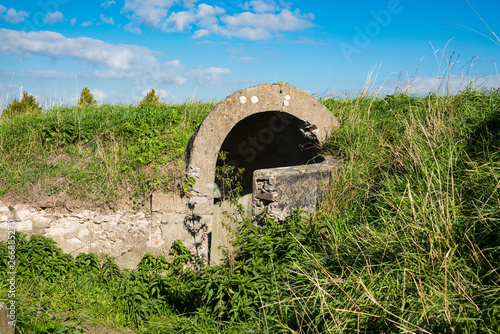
x: 206, y: 50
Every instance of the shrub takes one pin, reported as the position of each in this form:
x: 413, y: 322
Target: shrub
x: 86, y: 98
x: 27, y: 104
x: 150, y: 99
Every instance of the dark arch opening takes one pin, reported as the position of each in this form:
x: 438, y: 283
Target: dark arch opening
x: 267, y: 140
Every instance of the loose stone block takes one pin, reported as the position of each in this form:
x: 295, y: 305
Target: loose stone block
x: 296, y: 187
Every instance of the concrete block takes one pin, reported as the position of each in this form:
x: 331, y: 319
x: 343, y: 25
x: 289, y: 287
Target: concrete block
x: 25, y: 226
x: 168, y: 203
x: 292, y: 187
x: 172, y: 232
x: 201, y: 205
x: 155, y: 238
x: 173, y: 218
x: 40, y: 225
x: 132, y: 257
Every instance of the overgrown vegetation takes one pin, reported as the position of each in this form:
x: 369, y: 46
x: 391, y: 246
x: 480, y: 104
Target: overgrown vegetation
x: 406, y: 240
x: 97, y: 154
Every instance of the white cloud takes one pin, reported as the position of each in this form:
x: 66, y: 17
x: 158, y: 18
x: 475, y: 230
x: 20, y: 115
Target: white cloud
x: 209, y: 76
x: 12, y: 16
x: 55, y: 17
x: 128, y: 63
x: 439, y: 85
x: 265, y: 19
x: 244, y: 59
x: 106, y: 4
x: 133, y: 29
x: 251, y: 34
x: 201, y: 33
x: 92, y: 51
x: 284, y: 21
x: 148, y: 12
x: 207, y: 15
x: 100, y: 95
x: 248, y: 25
x: 73, y: 21
x: 170, y: 72
x: 260, y: 6
x: 180, y: 21
x: 87, y: 23
x: 106, y: 20
x: 189, y: 3
x: 204, y: 16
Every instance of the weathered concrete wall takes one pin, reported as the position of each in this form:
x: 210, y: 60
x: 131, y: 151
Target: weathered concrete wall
x: 225, y: 217
x: 125, y: 235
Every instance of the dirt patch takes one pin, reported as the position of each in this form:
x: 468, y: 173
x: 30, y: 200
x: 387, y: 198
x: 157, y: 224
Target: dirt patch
x: 61, y: 157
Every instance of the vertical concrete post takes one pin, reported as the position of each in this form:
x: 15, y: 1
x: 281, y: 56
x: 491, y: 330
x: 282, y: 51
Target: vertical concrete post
x: 5, y: 327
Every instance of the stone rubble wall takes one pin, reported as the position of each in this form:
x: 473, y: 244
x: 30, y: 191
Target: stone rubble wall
x: 125, y: 235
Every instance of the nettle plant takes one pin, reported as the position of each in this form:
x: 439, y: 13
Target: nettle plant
x: 228, y: 188
x: 229, y: 177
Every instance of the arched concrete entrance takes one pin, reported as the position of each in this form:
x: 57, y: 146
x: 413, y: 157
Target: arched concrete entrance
x: 275, y: 108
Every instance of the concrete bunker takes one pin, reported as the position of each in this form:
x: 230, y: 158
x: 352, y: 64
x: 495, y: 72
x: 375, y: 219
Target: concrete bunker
x: 273, y: 131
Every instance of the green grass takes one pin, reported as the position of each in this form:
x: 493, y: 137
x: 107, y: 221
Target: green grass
x: 97, y: 154
x: 407, y: 240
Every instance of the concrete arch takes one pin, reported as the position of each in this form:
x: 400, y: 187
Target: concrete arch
x: 206, y: 142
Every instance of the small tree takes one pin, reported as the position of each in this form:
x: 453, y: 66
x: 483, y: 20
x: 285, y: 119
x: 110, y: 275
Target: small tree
x: 86, y: 98
x: 150, y: 99
x: 27, y: 104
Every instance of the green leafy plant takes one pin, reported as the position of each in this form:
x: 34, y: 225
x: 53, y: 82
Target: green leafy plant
x: 103, y: 149
x: 229, y: 177
x: 150, y: 263
x: 188, y: 183
x: 182, y: 256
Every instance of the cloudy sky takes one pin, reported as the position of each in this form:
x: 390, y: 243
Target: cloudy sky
x: 206, y: 50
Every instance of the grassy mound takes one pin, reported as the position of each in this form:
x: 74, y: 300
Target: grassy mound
x: 102, y: 156
x: 406, y: 240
